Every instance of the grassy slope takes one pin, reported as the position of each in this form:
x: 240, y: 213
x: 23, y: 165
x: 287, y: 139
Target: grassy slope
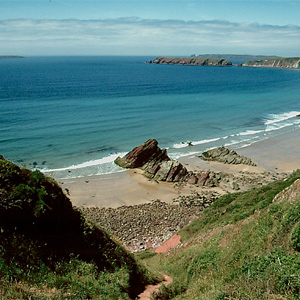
x: 48, y: 251
x: 242, y: 247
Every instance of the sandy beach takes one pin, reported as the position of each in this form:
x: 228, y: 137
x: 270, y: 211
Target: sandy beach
x: 274, y: 156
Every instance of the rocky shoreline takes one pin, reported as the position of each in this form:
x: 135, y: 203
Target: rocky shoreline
x: 148, y: 225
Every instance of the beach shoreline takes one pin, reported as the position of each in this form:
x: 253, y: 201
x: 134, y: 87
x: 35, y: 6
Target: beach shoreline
x: 276, y: 156
x: 143, y: 214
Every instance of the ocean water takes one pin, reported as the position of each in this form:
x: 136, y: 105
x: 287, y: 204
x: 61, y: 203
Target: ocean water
x: 72, y: 116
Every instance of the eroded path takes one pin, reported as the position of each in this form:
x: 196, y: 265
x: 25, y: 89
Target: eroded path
x: 150, y: 289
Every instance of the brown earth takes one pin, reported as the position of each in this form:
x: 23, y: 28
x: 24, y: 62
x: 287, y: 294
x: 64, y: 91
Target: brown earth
x: 170, y: 243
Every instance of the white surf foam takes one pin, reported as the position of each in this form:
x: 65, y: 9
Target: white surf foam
x: 278, y: 126
x: 91, y: 163
x: 195, y: 143
x: 250, y: 132
x: 275, y: 118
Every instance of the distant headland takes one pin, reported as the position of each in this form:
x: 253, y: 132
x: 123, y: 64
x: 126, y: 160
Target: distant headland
x: 275, y: 62
x: 192, y: 61
x: 11, y: 56
x: 216, y: 60
x: 242, y: 57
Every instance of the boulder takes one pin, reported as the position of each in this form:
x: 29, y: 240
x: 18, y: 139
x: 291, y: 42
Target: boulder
x: 193, y: 179
x: 174, y: 171
x: 182, y: 175
x: 164, y: 170
x: 202, y: 178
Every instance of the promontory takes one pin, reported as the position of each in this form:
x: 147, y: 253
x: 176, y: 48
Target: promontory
x: 275, y: 62
x: 190, y: 61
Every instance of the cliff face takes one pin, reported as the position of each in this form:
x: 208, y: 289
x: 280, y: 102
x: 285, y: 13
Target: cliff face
x: 276, y: 62
x: 190, y: 61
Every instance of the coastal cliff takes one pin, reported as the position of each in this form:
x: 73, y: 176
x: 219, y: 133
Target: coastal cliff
x: 275, y: 62
x: 190, y: 61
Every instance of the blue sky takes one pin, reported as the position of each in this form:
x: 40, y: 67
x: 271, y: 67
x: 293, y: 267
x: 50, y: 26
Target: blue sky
x: 149, y: 27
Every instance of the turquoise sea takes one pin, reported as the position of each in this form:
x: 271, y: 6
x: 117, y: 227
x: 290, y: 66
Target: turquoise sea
x: 72, y: 116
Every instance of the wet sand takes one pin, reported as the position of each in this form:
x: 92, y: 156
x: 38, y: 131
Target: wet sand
x: 278, y: 154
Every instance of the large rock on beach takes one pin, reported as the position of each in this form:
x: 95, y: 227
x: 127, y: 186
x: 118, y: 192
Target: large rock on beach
x: 154, y: 161
x: 148, y: 151
x: 226, y: 156
x: 158, y: 166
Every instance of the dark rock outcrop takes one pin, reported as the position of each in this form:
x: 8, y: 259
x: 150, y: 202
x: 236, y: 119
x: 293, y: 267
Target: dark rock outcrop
x: 190, y: 61
x: 158, y: 166
x: 154, y: 161
x: 226, y: 156
x: 146, y: 153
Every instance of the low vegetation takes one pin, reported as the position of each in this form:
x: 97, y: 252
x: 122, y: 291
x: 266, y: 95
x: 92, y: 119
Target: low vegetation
x: 244, y: 246
x: 48, y: 251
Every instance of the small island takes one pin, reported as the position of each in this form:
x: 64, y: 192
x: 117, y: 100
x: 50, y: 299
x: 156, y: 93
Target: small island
x: 190, y: 61
x: 10, y: 56
x: 217, y: 60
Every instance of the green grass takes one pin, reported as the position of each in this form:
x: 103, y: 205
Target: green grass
x: 49, y: 251
x: 73, y: 280
x: 242, y: 247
